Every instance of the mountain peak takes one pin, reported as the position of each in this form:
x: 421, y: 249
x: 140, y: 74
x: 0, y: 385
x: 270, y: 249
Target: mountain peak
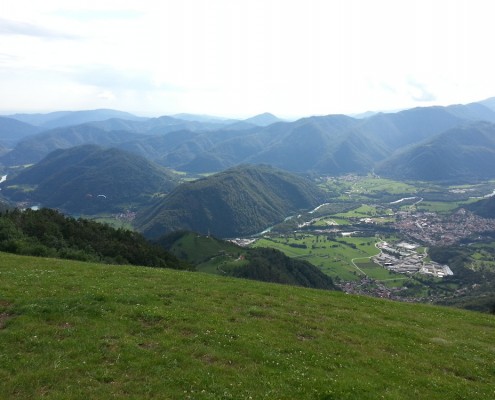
x: 263, y: 119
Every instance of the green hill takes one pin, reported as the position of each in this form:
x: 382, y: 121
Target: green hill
x: 220, y: 257
x: 90, y: 179
x: 86, y: 331
x: 240, y: 201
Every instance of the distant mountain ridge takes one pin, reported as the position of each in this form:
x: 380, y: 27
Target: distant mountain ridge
x: 34, y: 148
x: 264, y: 119
x: 59, y: 119
x: 329, y: 145
x: 240, y: 201
x: 12, y: 131
x: 465, y: 153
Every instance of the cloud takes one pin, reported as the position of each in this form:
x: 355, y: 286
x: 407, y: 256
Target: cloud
x: 7, y: 58
x: 106, y: 95
x: 112, y: 79
x: 91, y: 15
x: 419, y: 92
x: 12, y: 27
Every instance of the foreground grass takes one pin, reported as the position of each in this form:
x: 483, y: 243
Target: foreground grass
x: 77, y: 330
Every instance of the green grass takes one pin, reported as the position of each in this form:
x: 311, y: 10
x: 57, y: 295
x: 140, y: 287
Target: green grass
x: 198, y: 249
x: 86, y: 331
x: 382, y: 185
x: 377, y: 272
x: 23, y: 188
x: 442, y: 206
x: 329, y: 222
x: 360, y: 187
x: 333, y: 257
x: 361, y: 212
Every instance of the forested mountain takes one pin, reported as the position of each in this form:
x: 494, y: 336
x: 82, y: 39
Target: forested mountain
x: 396, y: 130
x: 489, y: 103
x: 332, y: 144
x: 91, y: 179
x: 113, y: 132
x: 465, y: 153
x: 240, y: 201
x: 47, y: 233
x: 12, y: 131
x: 484, y: 207
x: 34, y: 148
x: 3, y: 150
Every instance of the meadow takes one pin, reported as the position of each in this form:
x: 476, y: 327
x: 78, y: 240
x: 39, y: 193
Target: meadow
x: 80, y: 330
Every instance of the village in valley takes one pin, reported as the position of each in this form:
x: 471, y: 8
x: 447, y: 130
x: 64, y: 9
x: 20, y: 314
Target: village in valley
x: 379, y: 247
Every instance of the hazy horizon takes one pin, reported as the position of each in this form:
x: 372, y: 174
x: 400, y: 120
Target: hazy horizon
x: 237, y: 59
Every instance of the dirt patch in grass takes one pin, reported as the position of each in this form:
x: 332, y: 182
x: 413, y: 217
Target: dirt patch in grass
x: 5, y: 313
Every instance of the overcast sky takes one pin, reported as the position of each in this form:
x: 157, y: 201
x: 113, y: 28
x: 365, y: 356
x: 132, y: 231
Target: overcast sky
x: 238, y: 58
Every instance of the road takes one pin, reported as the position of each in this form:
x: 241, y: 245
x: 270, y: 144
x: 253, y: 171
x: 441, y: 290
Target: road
x: 363, y: 258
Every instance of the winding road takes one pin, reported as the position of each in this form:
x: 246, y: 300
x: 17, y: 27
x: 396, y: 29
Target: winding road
x: 363, y: 258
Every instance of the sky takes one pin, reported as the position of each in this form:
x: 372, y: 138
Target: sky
x: 238, y: 58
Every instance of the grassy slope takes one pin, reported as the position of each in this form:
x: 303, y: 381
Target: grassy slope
x: 76, y: 330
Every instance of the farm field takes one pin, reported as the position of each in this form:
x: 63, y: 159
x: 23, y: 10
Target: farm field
x: 334, y: 256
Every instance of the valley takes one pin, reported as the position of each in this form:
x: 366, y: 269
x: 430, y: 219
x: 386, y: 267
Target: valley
x: 336, y: 193
x: 213, y: 200
x: 374, y: 245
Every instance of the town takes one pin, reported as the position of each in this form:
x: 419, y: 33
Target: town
x: 432, y: 229
x: 402, y: 258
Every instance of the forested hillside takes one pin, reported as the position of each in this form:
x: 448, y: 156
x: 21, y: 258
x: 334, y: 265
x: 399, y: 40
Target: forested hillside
x: 91, y: 179
x: 47, y: 233
x: 484, y: 208
x: 240, y: 201
x: 464, y: 153
x: 220, y: 257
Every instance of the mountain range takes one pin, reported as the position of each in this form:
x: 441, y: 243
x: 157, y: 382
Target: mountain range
x: 463, y: 153
x: 58, y: 119
x: 12, y: 130
x: 328, y: 145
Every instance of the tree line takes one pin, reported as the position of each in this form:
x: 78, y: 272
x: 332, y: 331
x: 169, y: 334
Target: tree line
x: 48, y: 233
